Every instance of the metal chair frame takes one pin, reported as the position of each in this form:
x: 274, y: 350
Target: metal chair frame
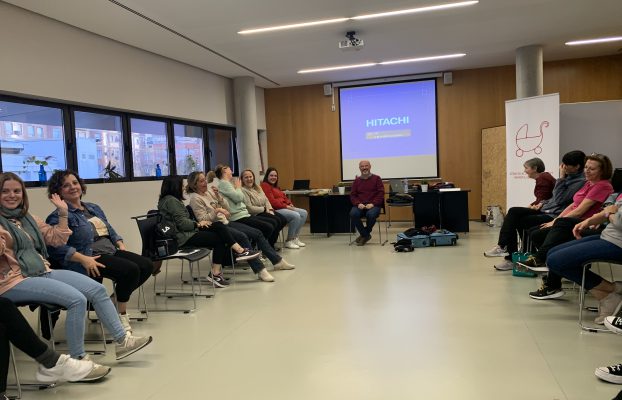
x: 586, y: 265
x: 378, y: 222
x: 146, y: 224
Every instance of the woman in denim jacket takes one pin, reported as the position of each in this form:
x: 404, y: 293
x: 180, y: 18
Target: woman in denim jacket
x: 95, y: 248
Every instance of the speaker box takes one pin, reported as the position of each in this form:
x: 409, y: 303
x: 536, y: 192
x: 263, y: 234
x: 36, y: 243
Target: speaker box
x: 328, y: 89
x: 448, y: 78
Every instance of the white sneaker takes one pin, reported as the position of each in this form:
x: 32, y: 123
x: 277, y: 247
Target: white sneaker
x: 299, y: 243
x: 291, y: 244
x: 496, y: 251
x: 506, y: 265
x: 131, y: 344
x: 125, y: 321
x: 265, y: 276
x: 69, y: 369
x: 283, y: 265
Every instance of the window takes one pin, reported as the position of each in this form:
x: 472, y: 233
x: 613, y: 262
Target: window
x: 189, y: 154
x: 99, y: 147
x: 24, y: 154
x: 149, y: 147
x: 222, y: 148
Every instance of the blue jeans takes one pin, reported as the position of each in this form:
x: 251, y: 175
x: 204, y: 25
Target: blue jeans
x: 370, y: 215
x: 567, y: 259
x: 70, y: 290
x: 296, y: 218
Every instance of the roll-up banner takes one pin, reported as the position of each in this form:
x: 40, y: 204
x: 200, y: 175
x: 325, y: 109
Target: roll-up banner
x: 532, y: 130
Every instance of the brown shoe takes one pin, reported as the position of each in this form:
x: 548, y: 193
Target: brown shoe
x: 364, y: 240
x: 358, y: 239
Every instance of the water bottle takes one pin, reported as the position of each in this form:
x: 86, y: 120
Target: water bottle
x: 43, y: 176
x: 405, y: 182
x: 158, y: 171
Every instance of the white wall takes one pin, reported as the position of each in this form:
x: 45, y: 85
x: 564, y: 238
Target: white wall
x: 120, y: 202
x: 47, y: 59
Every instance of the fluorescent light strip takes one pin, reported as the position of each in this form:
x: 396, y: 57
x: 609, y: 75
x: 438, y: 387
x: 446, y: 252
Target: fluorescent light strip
x: 416, y: 10
x: 292, y: 26
x: 591, y: 41
x: 366, y: 16
x: 420, y: 59
x: 308, y: 71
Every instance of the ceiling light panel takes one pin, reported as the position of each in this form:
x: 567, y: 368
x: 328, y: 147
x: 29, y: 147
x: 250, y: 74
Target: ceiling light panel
x: 416, y: 10
x: 436, y: 7
x: 339, y: 67
x: 292, y: 26
x: 593, y: 41
x: 406, y: 60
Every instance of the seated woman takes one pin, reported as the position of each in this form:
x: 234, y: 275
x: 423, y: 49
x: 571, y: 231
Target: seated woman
x: 586, y: 202
x: 190, y: 232
x: 206, y: 206
x: 258, y: 204
x: 204, y: 209
x: 94, y: 247
x: 25, y: 275
x: 231, y: 190
x: 53, y: 367
x: 519, y: 219
x: 296, y: 217
x: 566, y: 260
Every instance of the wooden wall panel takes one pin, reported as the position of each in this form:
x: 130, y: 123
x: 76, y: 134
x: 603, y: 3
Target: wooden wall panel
x: 493, y: 168
x: 303, y: 132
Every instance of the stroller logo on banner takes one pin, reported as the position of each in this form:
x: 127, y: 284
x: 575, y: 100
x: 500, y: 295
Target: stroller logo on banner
x: 526, y: 143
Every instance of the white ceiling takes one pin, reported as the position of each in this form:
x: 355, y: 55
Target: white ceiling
x: 488, y: 33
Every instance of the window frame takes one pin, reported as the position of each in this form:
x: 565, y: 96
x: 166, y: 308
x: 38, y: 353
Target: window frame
x: 69, y: 141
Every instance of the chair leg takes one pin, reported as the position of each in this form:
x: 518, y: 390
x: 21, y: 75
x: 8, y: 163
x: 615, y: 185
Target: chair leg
x: 588, y: 328
x: 19, y: 386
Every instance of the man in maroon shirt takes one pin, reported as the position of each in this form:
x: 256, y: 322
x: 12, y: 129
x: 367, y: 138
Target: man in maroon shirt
x: 367, y: 197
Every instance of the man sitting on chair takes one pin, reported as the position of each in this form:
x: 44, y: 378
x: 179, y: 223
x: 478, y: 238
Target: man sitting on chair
x: 367, y: 197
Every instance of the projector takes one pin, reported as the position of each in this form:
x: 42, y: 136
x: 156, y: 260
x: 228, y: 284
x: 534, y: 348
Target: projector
x: 352, y: 42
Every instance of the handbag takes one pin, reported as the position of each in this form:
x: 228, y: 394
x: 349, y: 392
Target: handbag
x: 165, y: 240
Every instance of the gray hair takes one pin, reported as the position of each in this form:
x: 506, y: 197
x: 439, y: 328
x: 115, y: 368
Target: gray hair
x: 535, y: 163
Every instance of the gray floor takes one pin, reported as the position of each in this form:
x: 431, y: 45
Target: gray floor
x: 365, y: 323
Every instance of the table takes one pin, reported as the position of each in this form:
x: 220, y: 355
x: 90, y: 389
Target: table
x: 447, y: 210
x: 330, y: 214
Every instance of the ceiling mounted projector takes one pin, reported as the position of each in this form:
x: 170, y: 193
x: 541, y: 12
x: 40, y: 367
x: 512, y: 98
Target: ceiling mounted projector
x: 352, y: 42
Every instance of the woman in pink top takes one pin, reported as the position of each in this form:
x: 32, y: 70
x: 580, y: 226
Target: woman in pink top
x: 586, y: 202
x: 296, y: 217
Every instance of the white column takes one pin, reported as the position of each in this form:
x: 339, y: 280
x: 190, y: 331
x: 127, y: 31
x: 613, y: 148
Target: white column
x: 246, y: 123
x: 529, y: 71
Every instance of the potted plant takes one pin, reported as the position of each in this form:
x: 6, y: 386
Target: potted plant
x: 110, y: 173
x: 424, y: 186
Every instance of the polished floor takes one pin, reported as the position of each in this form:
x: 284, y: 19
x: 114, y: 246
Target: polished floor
x: 365, y: 323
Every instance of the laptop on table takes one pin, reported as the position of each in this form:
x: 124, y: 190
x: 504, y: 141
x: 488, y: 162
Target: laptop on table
x: 301, y: 184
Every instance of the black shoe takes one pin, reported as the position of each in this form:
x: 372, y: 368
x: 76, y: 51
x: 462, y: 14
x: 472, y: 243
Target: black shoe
x: 246, y: 255
x: 363, y: 241
x: 217, y: 280
x: 545, y: 292
x: 534, y: 264
x: 611, y: 374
